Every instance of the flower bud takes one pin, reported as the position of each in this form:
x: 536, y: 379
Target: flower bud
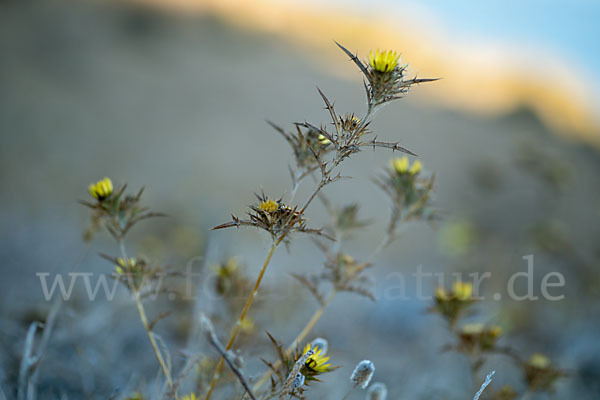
x: 362, y: 374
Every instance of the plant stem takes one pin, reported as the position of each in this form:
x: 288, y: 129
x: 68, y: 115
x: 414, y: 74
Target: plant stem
x: 315, y: 317
x: 159, y: 357
x: 297, y: 183
x: 144, y: 319
x: 314, y: 194
x: 238, y: 324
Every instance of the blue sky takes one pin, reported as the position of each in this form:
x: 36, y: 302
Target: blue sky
x: 569, y: 29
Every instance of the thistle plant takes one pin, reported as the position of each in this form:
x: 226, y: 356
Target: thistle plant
x: 476, y: 341
x: 320, y: 151
x: 541, y: 374
x: 454, y: 303
x: 118, y: 212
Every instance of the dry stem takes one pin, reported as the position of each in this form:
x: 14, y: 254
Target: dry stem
x: 238, y: 324
x: 212, y: 338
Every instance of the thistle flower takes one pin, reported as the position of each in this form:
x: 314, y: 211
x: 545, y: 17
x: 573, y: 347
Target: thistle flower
x: 452, y: 303
x: 274, y: 217
x: 539, y: 360
x: 350, y: 123
x: 540, y: 374
x: 230, y: 280
x: 409, y: 192
x: 269, y: 206
x: 138, y: 275
x: 477, y: 336
x: 384, y: 62
x: 323, y: 140
x: 122, y: 268
x: 362, y: 374
x: 231, y: 283
x: 346, y: 139
x: 101, y: 189
x: 441, y: 294
x: 462, y: 290
x: 505, y: 393
x: 317, y: 362
x: 385, y: 77
x: 305, y: 143
x: 227, y: 269
x: 377, y: 391
x: 400, y: 165
x: 416, y: 167
x: 115, y: 211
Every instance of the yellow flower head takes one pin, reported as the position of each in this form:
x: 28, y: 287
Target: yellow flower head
x: 120, y: 268
x: 385, y: 61
x: 416, y: 167
x: 247, y: 325
x: 462, y: 290
x: 316, y: 363
x: 441, y: 294
x: 101, y: 189
x: 269, y: 206
x: 350, y: 123
x: 323, y: 139
x: 346, y: 259
x: 191, y: 396
x: 539, y: 360
x: 495, y: 331
x: 400, y: 165
x: 227, y: 269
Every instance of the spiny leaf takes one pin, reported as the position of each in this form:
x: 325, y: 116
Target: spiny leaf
x: 356, y: 60
x: 334, y: 117
x: 394, y: 146
x: 278, y: 347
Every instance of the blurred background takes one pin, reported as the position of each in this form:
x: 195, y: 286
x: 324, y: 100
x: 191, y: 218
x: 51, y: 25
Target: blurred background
x: 173, y: 95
